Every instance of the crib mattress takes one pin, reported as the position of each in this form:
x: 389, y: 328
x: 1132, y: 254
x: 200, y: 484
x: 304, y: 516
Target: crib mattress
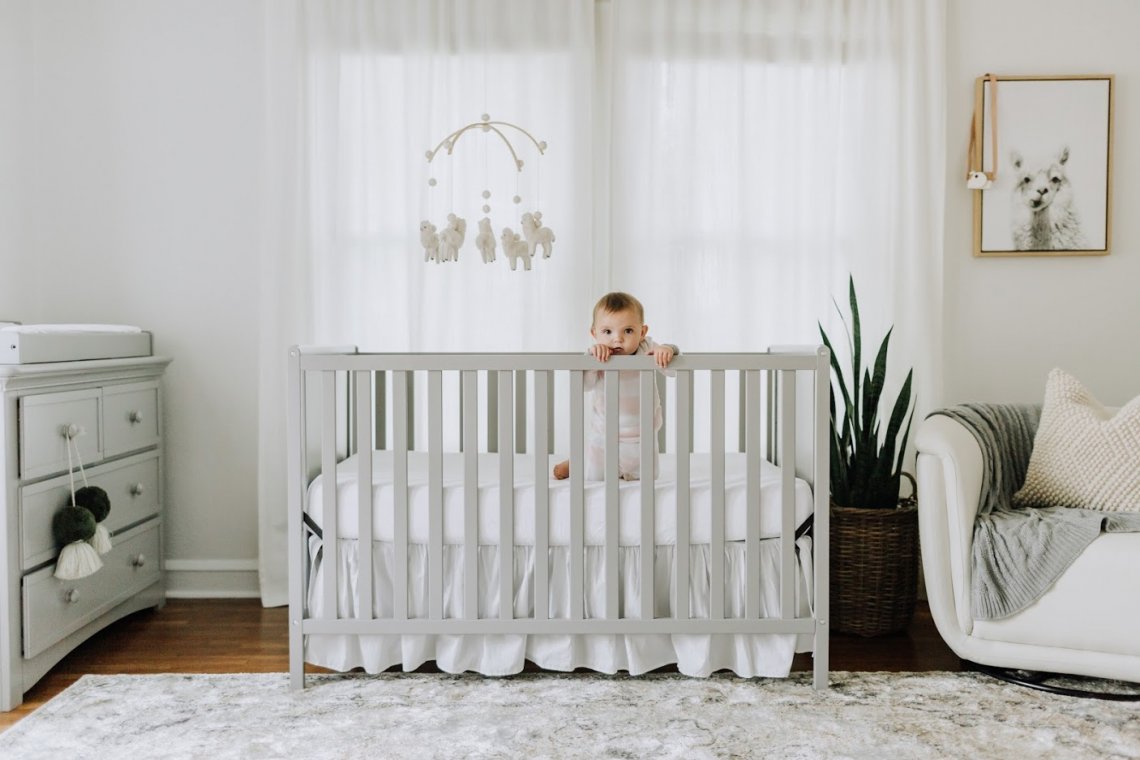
x: 629, y: 496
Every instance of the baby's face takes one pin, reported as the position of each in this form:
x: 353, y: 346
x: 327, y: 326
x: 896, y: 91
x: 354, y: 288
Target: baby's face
x: 622, y: 331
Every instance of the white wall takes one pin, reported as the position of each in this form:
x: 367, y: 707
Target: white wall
x: 15, y: 87
x: 145, y: 210
x: 1008, y: 321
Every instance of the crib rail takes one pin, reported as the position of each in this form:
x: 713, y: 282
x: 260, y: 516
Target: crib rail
x: 346, y: 402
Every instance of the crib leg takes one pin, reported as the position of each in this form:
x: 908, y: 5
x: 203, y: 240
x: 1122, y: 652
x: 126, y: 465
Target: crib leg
x: 295, y: 659
x: 296, y: 655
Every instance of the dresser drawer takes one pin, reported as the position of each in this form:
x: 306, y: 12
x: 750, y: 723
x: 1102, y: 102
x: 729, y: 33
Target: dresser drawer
x: 132, y: 485
x: 130, y: 417
x: 54, y: 609
x: 44, y: 422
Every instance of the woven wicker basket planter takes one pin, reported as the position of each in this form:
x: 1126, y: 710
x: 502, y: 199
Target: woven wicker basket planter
x: 874, y: 568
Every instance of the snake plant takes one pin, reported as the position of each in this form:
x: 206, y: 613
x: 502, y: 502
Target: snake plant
x: 865, y: 466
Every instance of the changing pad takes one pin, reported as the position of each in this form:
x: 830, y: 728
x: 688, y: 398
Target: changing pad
x: 34, y: 344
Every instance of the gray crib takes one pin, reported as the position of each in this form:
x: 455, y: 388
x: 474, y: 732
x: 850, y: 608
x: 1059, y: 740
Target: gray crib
x: 352, y: 414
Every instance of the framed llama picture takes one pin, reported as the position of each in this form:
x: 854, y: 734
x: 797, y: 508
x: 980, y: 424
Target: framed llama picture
x: 1046, y: 143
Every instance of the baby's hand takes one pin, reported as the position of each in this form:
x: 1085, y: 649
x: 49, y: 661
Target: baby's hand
x: 663, y: 355
x: 600, y: 352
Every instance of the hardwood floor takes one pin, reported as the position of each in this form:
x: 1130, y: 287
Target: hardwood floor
x: 241, y: 636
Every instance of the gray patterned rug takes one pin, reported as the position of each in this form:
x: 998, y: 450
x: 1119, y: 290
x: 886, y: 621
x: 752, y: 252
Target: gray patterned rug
x: 862, y: 715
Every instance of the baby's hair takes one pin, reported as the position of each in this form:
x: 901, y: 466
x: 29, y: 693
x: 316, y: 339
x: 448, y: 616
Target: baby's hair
x: 612, y: 303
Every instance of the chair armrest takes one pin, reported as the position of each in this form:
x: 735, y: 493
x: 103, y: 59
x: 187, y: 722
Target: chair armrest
x: 949, y: 468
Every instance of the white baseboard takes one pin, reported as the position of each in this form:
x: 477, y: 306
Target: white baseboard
x: 212, y: 579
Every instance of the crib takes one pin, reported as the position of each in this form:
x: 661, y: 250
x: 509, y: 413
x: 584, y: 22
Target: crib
x: 480, y: 561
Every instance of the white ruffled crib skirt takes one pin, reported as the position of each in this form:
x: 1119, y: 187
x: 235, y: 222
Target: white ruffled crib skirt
x: 746, y: 655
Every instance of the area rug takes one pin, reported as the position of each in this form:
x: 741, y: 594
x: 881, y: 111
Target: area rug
x: 862, y: 715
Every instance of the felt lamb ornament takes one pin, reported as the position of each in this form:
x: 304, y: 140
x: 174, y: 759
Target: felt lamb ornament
x: 485, y: 240
x: 430, y: 241
x: 451, y: 239
x: 78, y: 527
x: 535, y: 234
x: 515, y: 248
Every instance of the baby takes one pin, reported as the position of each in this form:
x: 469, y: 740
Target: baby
x: 619, y: 329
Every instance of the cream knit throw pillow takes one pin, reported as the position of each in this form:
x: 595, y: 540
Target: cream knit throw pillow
x: 1083, y: 455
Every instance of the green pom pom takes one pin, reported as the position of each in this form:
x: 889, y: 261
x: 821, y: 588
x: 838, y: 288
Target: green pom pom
x: 72, y: 524
x: 95, y: 500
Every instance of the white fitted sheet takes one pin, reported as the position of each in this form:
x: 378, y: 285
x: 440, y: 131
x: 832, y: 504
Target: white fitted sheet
x: 629, y: 495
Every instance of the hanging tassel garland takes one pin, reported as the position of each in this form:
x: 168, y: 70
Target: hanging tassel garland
x: 77, y: 526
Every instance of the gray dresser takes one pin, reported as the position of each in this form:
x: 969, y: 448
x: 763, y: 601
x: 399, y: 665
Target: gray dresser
x: 116, y: 407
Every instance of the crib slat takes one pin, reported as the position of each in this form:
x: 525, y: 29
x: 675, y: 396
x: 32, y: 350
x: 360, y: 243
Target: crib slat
x: 742, y: 402
x: 328, y: 479
x: 716, y: 545
x: 520, y: 411
x: 470, y: 396
x: 788, y: 491
x: 492, y: 411
x: 506, y: 499
x: 550, y: 411
x: 381, y: 410
x: 612, y: 493
x: 365, y: 420
x: 752, y: 495
x: 692, y: 405
x: 435, y: 495
x: 401, y: 431
x: 577, y: 492
x: 771, y: 429
x: 411, y: 409
x: 542, y: 428
x: 682, y: 549
x: 662, y: 434
x: 648, y: 492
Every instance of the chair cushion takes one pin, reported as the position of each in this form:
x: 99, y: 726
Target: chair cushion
x: 1086, y: 609
x: 1083, y: 455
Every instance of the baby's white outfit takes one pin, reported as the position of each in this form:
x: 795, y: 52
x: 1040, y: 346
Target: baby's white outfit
x: 629, y: 421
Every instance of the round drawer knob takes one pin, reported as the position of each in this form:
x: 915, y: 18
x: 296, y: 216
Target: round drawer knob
x: 72, y: 596
x: 135, y: 417
x: 139, y: 560
x: 137, y: 489
x: 72, y: 431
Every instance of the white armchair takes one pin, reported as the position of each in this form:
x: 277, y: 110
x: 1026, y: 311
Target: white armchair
x: 1087, y: 624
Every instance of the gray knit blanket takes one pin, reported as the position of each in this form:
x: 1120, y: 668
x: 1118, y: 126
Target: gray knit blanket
x: 1020, y: 552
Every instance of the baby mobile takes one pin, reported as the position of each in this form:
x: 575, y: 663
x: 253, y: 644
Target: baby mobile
x: 442, y: 246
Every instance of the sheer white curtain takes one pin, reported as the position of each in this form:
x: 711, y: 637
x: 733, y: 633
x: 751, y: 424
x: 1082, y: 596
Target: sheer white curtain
x: 762, y: 151
x: 728, y: 162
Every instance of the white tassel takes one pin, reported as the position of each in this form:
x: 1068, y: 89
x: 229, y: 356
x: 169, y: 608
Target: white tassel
x: 101, y: 541
x: 77, y: 560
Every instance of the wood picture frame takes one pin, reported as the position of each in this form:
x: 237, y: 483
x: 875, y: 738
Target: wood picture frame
x: 1051, y: 193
